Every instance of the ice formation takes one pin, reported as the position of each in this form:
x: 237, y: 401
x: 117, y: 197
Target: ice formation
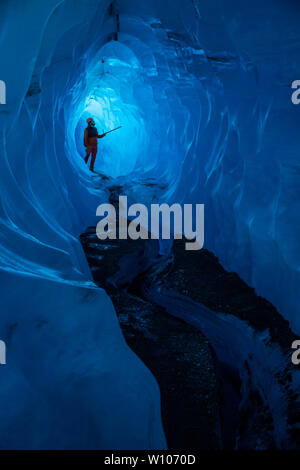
x: 203, y: 92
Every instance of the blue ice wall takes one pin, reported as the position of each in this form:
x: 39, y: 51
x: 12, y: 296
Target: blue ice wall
x: 70, y: 380
x: 202, y: 90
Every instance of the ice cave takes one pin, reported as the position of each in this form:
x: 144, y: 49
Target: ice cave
x: 202, y: 90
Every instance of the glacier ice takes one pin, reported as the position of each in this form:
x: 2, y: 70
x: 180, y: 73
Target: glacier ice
x: 202, y: 90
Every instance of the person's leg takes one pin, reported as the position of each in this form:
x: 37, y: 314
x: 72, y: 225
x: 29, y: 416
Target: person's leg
x: 94, y: 153
x: 88, y: 153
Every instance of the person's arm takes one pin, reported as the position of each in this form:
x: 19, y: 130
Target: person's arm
x: 101, y: 136
x: 86, y: 137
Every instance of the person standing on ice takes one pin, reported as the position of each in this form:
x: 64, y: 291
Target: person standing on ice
x: 91, y: 142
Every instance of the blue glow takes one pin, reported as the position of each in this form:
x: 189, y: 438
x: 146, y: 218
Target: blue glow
x: 111, y: 103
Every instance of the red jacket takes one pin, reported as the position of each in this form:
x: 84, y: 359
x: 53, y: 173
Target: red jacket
x: 91, y: 141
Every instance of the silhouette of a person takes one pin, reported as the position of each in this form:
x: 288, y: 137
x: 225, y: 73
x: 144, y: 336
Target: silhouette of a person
x: 91, y: 137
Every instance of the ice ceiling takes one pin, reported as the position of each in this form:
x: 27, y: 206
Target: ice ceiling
x: 202, y: 91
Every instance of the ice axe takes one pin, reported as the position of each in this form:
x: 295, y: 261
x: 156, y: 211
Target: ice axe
x: 113, y: 130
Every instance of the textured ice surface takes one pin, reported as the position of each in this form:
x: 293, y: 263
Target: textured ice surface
x: 70, y: 380
x: 202, y: 89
